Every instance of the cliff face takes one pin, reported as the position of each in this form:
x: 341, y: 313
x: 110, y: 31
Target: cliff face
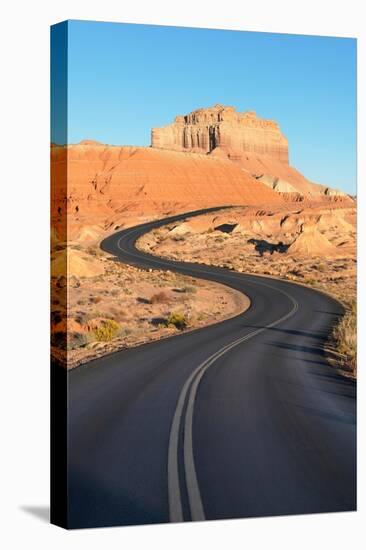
x: 255, y: 144
x: 204, y: 130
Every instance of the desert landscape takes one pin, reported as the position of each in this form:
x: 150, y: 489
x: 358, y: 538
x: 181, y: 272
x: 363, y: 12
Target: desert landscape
x: 203, y: 274
x: 280, y: 225
x: 313, y: 245
x: 112, y: 306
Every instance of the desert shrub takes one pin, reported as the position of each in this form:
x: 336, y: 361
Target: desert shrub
x: 107, y: 330
x: 178, y: 320
x: 76, y: 340
x: 90, y: 315
x: 115, y: 314
x: 296, y: 272
x: 190, y: 289
x: 126, y: 331
x: 98, y: 278
x: 142, y: 300
x: 74, y: 282
x: 95, y: 299
x: 344, y: 336
x: 81, y: 317
x: 159, y: 298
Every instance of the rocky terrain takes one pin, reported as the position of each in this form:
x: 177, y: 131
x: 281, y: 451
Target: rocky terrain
x: 294, y: 244
x: 110, y: 306
x: 100, y: 187
x: 314, y: 246
x: 281, y: 225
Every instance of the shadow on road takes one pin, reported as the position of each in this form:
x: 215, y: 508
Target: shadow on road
x: 319, y: 335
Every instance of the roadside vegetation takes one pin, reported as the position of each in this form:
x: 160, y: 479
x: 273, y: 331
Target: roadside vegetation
x: 112, y: 306
x: 344, y: 340
x: 177, y: 320
x: 245, y: 250
x: 107, y: 330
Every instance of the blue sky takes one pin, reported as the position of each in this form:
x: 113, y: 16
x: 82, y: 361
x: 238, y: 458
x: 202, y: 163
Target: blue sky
x: 124, y: 79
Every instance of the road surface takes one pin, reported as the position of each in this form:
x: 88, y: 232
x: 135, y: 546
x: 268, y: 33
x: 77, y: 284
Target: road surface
x: 239, y: 419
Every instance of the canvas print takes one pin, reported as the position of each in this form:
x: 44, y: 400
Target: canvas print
x: 203, y: 262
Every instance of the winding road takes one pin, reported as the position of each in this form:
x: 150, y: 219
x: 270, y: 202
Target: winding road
x: 239, y: 419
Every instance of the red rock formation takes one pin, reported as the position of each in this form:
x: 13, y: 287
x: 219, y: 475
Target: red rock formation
x: 256, y: 145
x: 106, y: 182
x: 247, y: 164
x: 204, y: 130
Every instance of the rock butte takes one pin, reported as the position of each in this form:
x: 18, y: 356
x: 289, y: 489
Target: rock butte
x: 204, y: 130
x: 256, y: 144
x: 210, y: 157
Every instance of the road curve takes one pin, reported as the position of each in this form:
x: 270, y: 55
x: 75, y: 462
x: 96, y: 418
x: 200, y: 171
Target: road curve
x: 239, y: 419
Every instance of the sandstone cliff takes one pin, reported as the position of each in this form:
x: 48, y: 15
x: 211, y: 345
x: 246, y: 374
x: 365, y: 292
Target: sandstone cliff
x: 204, y: 130
x: 209, y: 157
x: 255, y: 144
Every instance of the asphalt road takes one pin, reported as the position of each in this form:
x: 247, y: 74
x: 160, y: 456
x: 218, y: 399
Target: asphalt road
x: 243, y: 418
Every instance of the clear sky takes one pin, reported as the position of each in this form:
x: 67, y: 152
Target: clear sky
x: 125, y: 79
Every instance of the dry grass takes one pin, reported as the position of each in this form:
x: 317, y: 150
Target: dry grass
x: 126, y: 306
x: 178, y: 320
x: 344, y: 339
x: 106, y: 331
x: 159, y: 298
